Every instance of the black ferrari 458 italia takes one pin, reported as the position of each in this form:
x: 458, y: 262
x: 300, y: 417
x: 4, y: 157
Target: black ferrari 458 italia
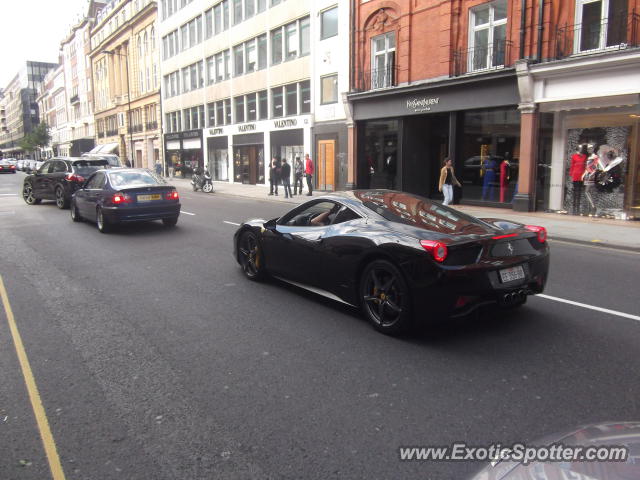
x: 400, y: 257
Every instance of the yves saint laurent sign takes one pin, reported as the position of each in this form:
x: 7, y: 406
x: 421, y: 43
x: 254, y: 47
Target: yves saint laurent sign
x: 291, y: 122
x: 423, y: 104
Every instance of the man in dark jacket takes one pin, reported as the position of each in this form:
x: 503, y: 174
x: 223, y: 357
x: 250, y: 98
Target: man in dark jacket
x: 285, y: 176
x: 274, y: 174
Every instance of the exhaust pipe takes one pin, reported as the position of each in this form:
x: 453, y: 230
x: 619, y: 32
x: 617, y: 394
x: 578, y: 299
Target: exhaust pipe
x: 512, y: 298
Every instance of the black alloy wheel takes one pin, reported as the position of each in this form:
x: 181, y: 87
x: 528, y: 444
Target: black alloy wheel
x: 385, y: 297
x: 250, y: 255
x: 75, y: 214
x: 61, y: 199
x: 103, y: 225
x: 170, y: 222
x: 27, y: 195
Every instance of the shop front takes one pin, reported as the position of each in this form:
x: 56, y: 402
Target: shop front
x: 593, y: 153
x: 218, y: 155
x: 248, y: 158
x: 288, y: 144
x: 403, y: 138
x: 183, y: 152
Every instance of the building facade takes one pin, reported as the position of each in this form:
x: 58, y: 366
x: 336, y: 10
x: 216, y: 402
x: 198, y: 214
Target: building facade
x: 53, y: 108
x: 20, y: 106
x: 467, y: 80
x: 241, y: 86
x: 126, y: 84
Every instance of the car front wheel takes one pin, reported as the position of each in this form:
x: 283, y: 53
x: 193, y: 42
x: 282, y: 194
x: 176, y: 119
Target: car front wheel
x: 27, y: 195
x: 250, y: 256
x: 385, y: 297
x: 103, y: 224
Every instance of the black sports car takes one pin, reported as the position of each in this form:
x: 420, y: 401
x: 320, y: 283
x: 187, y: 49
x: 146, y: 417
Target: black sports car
x: 400, y: 257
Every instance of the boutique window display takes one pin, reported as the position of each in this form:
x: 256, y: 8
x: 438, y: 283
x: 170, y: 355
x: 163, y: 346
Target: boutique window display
x: 596, y: 169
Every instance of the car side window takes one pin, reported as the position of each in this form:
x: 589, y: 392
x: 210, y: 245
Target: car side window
x: 96, y: 181
x: 59, y: 167
x: 344, y: 215
x: 315, y: 215
x: 45, y: 167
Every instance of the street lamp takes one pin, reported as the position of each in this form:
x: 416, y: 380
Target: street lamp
x: 126, y: 63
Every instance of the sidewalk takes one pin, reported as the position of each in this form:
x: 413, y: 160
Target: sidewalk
x: 584, y: 230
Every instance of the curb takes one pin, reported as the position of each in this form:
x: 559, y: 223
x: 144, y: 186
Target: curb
x: 614, y: 246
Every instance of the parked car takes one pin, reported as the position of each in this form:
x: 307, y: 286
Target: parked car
x: 58, y: 178
x: 6, y: 166
x: 30, y: 165
x: 20, y: 165
x: 124, y: 195
x: 401, y: 258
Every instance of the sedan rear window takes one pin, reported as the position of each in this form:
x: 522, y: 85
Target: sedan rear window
x: 121, y: 179
x: 87, y: 167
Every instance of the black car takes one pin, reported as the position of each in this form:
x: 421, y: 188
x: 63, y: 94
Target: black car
x: 123, y: 195
x: 58, y: 178
x: 400, y: 257
x: 7, y: 166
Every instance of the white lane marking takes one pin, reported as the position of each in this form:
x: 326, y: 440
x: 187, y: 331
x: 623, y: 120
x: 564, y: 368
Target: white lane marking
x: 591, y: 307
x: 8, y: 194
x: 186, y: 213
x: 231, y: 223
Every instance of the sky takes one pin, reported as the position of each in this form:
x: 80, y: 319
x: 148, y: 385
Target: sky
x: 32, y: 30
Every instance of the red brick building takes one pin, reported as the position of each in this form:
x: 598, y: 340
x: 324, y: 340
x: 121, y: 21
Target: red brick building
x: 508, y: 89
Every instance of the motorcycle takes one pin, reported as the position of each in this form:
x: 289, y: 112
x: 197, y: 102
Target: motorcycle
x: 202, y: 182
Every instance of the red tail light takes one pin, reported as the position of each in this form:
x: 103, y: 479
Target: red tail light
x: 120, y: 198
x: 12, y: 166
x: 72, y: 177
x: 541, y: 231
x: 498, y: 237
x: 173, y: 195
x: 438, y: 250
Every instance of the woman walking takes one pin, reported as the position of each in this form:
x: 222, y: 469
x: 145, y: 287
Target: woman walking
x: 447, y: 181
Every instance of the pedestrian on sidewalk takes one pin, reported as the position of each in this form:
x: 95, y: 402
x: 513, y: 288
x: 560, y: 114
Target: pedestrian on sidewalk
x: 298, y: 172
x: 576, y: 172
x: 309, y: 170
x: 158, y: 168
x: 447, y: 181
x: 274, y: 172
x: 285, y: 175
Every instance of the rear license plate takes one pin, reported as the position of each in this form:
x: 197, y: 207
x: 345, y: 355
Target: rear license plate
x: 149, y: 198
x: 511, y: 274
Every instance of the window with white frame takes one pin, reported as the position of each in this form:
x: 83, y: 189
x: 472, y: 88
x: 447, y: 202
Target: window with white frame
x: 329, y: 89
x: 600, y: 24
x: 329, y: 23
x: 383, y: 60
x: 487, y: 36
x: 290, y: 41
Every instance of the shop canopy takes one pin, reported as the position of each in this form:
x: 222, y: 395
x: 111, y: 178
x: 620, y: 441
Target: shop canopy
x: 105, y: 148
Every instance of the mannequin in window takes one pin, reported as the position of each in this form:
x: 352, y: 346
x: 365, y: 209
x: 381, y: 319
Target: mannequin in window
x: 505, y: 175
x: 490, y: 167
x: 576, y: 172
x: 390, y: 170
x: 590, y: 176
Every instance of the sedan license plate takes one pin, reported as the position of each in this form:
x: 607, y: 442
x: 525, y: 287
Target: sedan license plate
x: 511, y: 274
x: 149, y: 198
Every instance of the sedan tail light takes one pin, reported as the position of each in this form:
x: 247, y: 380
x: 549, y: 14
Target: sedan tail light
x: 74, y: 177
x: 173, y: 195
x: 541, y: 231
x: 120, y: 198
x: 438, y: 250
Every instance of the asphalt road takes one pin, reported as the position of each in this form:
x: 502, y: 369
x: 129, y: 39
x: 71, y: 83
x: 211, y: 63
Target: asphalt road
x: 155, y: 358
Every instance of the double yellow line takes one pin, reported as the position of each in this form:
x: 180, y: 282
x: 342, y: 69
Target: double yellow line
x: 36, y: 403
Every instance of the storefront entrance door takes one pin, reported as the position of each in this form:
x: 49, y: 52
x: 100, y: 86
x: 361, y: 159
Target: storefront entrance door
x: 326, y: 165
x: 248, y: 164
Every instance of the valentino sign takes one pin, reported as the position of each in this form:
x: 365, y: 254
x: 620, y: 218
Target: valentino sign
x: 422, y: 104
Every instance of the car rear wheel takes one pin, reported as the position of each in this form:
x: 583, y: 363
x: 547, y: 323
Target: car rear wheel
x: 27, y: 195
x: 170, y: 222
x: 103, y: 224
x: 75, y: 214
x: 61, y: 199
x: 250, y: 256
x: 385, y: 297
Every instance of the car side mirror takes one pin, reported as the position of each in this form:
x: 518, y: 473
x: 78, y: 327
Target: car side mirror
x: 271, y: 224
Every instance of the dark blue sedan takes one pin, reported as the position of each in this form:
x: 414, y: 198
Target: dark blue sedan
x: 124, y: 195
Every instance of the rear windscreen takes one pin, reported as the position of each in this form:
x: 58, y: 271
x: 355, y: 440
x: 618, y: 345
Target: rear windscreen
x: 87, y: 167
x: 122, y: 179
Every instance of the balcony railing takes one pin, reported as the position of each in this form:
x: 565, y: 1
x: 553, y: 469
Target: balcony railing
x: 100, y: 134
x: 152, y: 125
x: 75, y: 99
x: 111, y: 133
x: 614, y: 33
x: 135, y: 128
x: 482, y: 59
x: 378, y: 78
